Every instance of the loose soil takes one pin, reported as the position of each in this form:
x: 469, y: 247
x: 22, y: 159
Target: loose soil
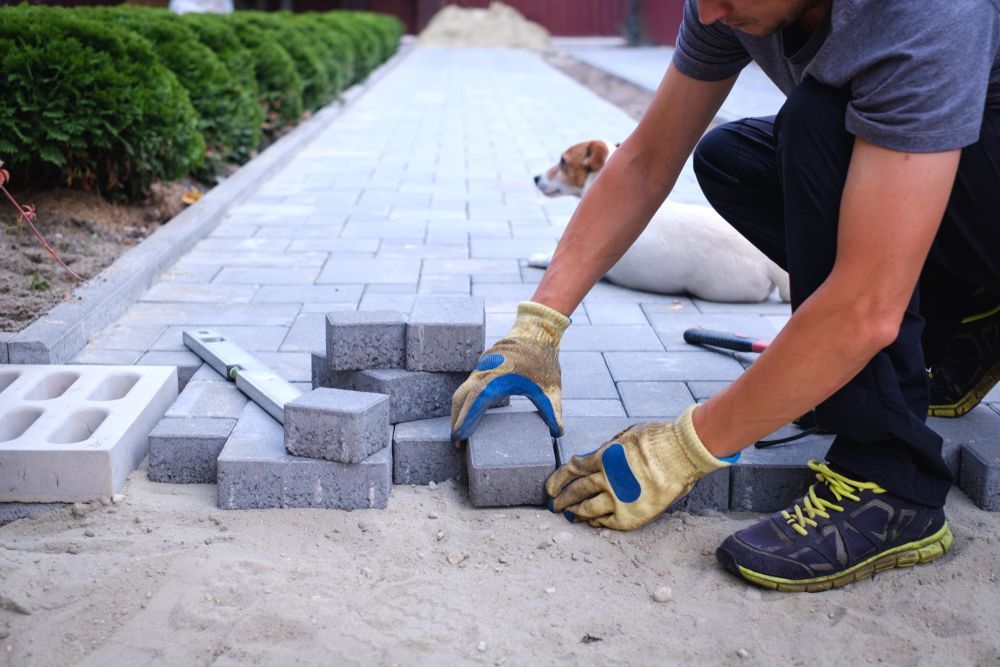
x: 625, y: 95
x: 87, y: 231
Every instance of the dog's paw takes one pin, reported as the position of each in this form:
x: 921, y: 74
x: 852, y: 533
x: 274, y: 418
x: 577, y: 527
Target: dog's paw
x: 540, y: 260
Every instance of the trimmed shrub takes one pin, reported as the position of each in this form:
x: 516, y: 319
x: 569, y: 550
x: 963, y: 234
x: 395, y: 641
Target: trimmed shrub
x: 278, y: 82
x: 214, y: 93
x: 88, y: 104
x: 215, y: 32
x: 387, y: 29
x: 367, y: 48
x: 335, y: 51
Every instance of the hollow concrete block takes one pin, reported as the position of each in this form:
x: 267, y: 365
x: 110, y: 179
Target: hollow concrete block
x: 361, y: 340
x: 185, y: 450
x: 445, y: 333
x: 337, y: 425
x: 508, y: 459
x: 255, y: 471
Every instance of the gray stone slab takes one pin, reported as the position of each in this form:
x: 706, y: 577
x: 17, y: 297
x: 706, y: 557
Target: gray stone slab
x: 185, y: 450
x: 255, y: 471
x: 268, y: 275
x: 337, y: 425
x: 611, y: 312
x: 980, y: 476
x: 309, y: 294
x: 350, y: 271
x: 412, y: 394
x: 585, y: 375
x: 592, y: 407
x: 508, y: 459
x: 671, y: 366
x: 445, y: 333
x: 671, y: 326
x: 308, y: 334
x: 10, y: 512
x: 364, y: 340
x: 250, y: 338
x: 5, y: 337
x: 980, y: 425
x: 771, y: 306
x: 584, y: 435
x: 187, y: 363
x: 702, y: 391
x: 608, y: 337
x: 655, y: 399
x: 209, y: 399
x: 207, y: 314
x: 768, y: 480
x: 91, y: 356
x: 422, y: 452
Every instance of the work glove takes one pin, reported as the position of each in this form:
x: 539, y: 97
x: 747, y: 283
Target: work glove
x: 524, y: 362
x: 631, y: 479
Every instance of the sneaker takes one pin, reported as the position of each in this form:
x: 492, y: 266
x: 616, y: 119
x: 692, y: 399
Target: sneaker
x: 840, y: 532
x: 969, y: 367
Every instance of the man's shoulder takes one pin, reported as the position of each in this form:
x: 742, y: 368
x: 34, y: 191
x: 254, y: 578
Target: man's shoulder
x: 927, y: 12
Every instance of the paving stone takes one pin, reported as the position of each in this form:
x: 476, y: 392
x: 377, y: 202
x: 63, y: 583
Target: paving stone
x: 610, y: 337
x: 450, y: 284
x: 584, y: 435
x: 672, y: 366
x: 412, y: 394
x: 308, y: 334
x: 221, y: 400
x: 980, y: 476
x: 5, y: 336
x: 207, y: 314
x: 508, y: 459
x: 10, y: 512
x: 337, y: 425
x: 268, y: 275
x: 250, y: 338
x: 371, y: 271
x: 200, y: 293
x: 611, y: 312
x: 126, y: 337
x: 671, y: 327
x: 422, y: 452
x: 322, y: 375
x: 290, y: 366
x: 309, y: 294
x: 655, y: 399
x: 585, y: 375
x: 702, y: 391
x: 592, y: 407
x: 770, y: 307
x: 365, y: 340
x: 97, y: 357
x: 979, y: 425
x: 255, y: 471
x: 185, y: 450
x: 187, y: 363
x: 445, y: 333
x: 768, y: 480
x: 392, y: 301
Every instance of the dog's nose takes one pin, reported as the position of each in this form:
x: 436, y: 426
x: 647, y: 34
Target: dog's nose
x: 538, y: 179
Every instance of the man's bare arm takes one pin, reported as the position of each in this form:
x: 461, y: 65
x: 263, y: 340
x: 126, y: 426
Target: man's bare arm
x: 891, y: 209
x: 630, y: 188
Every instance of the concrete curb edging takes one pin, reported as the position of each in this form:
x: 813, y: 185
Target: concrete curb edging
x: 62, y: 332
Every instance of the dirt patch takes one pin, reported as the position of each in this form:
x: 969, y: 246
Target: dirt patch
x: 88, y: 232
x: 497, y: 26
x: 625, y: 95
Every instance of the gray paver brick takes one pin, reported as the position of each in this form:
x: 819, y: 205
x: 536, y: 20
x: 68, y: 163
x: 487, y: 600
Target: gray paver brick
x: 610, y: 337
x: 422, y: 452
x: 702, y: 391
x: 445, y: 333
x: 5, y: 336
x: 309, y: 294
x: 365, y: 340
x: 979, y: 425
x: 285, y: 275
x: 412, y: 394
x: 322, y: 375
x: 337, y: 425
x: 370, y: 271
x: 592, y: 407
x: 509, y: 457
x: 671, y: 366
x: 10, y: 512
x: 655, y: 399
x: 980, y: 477
x: 256, y: 472
x: 583, y: 435
x: 185, y: 450
x: 768, y: 480
x: 99, y: 357
x: 308, y: 334
x: 208, y: 399
x: 187, y: 363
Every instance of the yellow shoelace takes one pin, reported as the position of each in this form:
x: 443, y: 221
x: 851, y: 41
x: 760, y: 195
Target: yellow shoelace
x: 805, y: 512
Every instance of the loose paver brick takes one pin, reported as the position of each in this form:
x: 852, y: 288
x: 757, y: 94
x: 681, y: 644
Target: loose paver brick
x: 255, y: 471
x: 337, y: 425
x: 508, y: 459
x: 655, y: 399
x: 771, y: 479
x: 5, y: 337
x: 185, y: 450
x: 980, y: 476
x: 74, y: 433
x: 584, y: 435
x: 422, y: 452
x: 209, y: 399
x: 412, y: 394
x: 187, y: 363
x: 365, y: 340
x: 445, y: 333
x: 979, y: 425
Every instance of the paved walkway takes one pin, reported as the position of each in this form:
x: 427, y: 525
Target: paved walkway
x: 753, y: 95
x: 425, y: 185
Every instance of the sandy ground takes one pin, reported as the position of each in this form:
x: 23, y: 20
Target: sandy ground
x: 165, y: 578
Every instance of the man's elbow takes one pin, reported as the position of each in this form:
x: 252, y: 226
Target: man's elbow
x: 876, y: 325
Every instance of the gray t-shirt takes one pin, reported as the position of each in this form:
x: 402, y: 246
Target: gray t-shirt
x: 920, y: 72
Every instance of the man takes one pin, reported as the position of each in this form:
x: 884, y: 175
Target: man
x: 881, y: 171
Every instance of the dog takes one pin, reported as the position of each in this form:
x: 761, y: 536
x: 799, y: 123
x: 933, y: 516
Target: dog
x: 685, y: 249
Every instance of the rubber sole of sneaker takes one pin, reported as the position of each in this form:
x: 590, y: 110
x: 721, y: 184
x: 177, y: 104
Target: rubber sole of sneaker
x: 905, y: 555
x: 971, y: 399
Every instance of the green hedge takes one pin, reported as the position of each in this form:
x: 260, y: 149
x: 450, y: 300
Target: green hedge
x: 114, y: 98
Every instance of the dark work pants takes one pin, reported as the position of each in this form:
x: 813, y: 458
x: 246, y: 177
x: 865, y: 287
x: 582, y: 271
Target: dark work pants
x: 779, y: 182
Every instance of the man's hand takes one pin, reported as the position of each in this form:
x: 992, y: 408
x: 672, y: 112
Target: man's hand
x: 525, y: 362
x: 634, y: 477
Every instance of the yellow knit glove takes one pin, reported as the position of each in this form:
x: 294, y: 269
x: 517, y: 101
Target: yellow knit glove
x: 634, y: 477
x: 524, y: 362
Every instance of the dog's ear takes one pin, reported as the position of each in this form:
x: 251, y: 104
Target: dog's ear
x: 597, y: 153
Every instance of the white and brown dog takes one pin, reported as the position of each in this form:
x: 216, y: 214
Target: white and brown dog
x: 685, y: 249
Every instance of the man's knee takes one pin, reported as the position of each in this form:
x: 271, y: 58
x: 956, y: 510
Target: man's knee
x: 813, y: 114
